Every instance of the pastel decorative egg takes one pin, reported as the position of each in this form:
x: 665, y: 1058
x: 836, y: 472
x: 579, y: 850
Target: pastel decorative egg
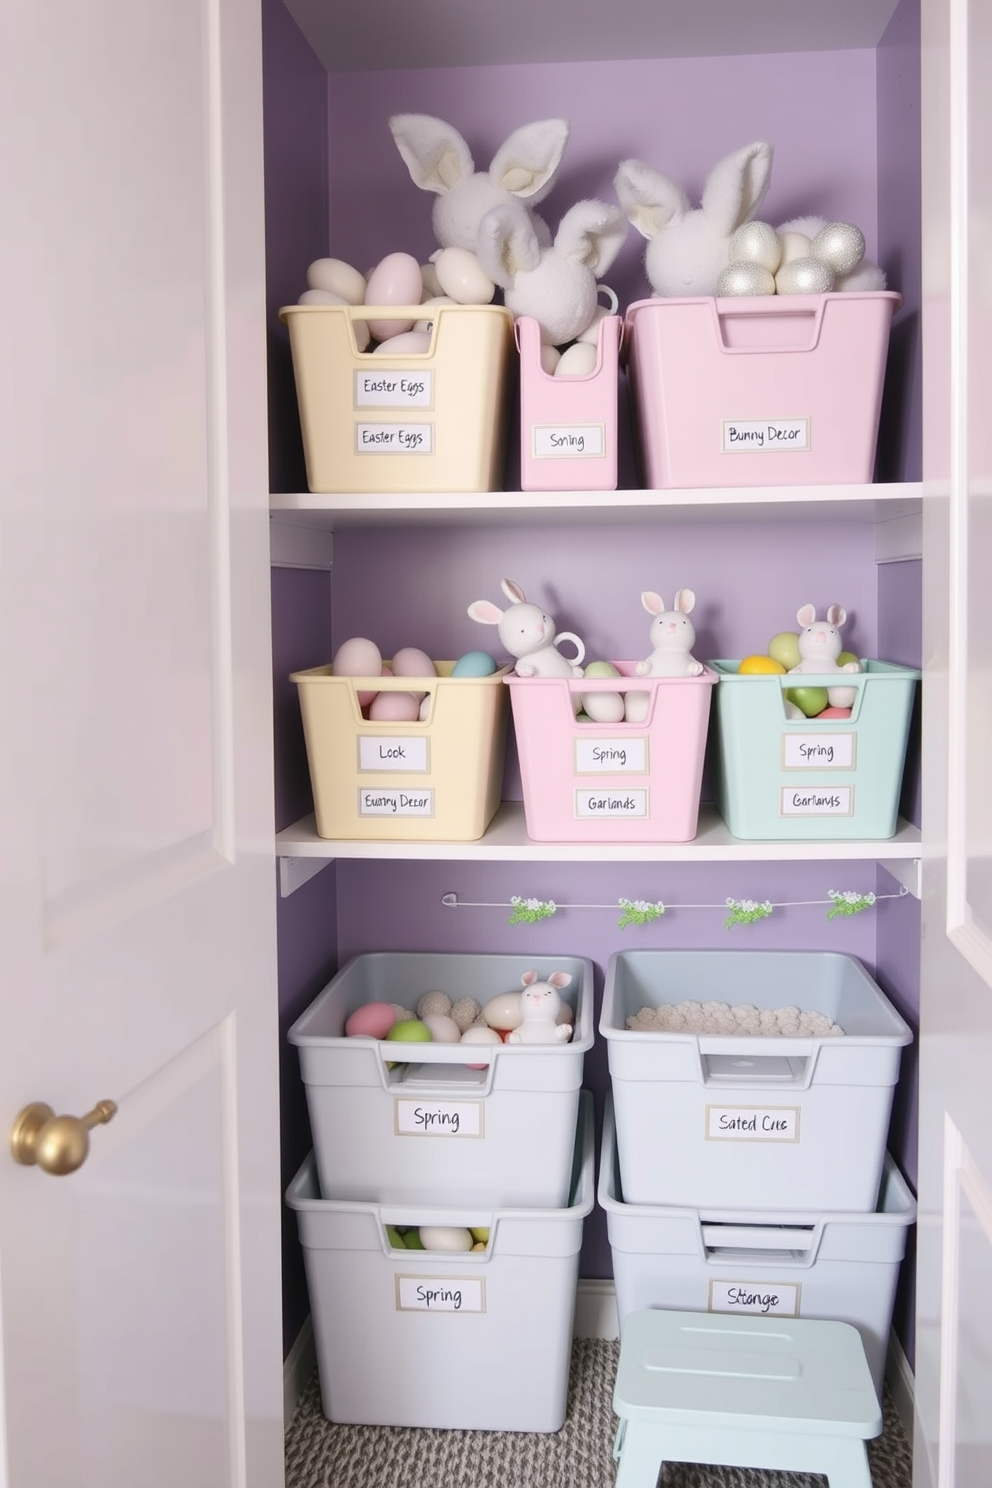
x: 404, y: 343
x: 445, y: 1237
x: 443, y: 1028
x: 834, y: 713
x: 809, y: 700
x: 794, y: 245
x: 550, y: 357
x: 756, y: 243
x: 410, y: 661
x: 395, y: 707
x: 846, y: 657
x: 603, y: 707
x: 429, y: 280
x: 427, y: 325
x: 461, y: 275
x: 841, y: 245
x: 474, y: 664
x: 502, y: 1012
x: 480, y: 1232
x: 394, y: 1237
x: 412, y: 1240
x: 784, y: 648
x: 339, y: 278
x: 409, y: 1031
x: 745, y: 279
x: 371, y: 1020
x: 395, y: 280
x: 805, y: 276
x: 358, y: 657
x: 756, y: 666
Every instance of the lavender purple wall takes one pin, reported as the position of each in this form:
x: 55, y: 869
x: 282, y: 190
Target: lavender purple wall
x: 335, y: 183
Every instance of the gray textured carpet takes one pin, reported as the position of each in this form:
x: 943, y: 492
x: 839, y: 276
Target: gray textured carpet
x: 320, y: 1455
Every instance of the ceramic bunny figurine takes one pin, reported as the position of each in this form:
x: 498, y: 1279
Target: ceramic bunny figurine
x: 819, y: 647
x: 540, y: 1006
x: 529, y: 635
x: 555, y: 285
x: 673, y: 636
x: 523, y: 171
x: 689, y: 247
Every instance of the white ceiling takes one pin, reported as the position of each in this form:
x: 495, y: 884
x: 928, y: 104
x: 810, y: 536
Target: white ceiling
x: 368, y: 35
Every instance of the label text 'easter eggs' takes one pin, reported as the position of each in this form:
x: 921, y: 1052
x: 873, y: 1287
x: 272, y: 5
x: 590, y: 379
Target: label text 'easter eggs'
x: 394, y: 439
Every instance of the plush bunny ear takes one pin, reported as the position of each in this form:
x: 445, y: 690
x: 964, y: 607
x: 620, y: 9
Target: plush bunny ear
x: 736, y: 186
x: 507, y: 244
x: 836, y: 615
x: 485, y: 612
x: 435, y: 154
x: 513, y: 591
x: 653, y: 603
x: 591, y: 233
x: 527, y: 164
x: 685, y: 601
x: 650, y: 201
x: 807, y: 615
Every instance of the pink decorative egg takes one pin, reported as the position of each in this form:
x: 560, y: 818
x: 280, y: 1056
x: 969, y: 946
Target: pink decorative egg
x: 834, y: 713
x: 371, y: 1020
x: 394, y: 707
x: 395, y: 280
x: 358, y: 657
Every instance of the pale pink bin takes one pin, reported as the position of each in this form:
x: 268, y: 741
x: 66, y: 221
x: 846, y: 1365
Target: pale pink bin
x: 622, y: 782
x: 767, y: 390
x: 568, y: 425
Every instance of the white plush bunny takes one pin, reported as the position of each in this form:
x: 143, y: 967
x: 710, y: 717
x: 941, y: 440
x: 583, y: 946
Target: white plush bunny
x: 523, y: 170
x: 819, y: 647
x: 529, y: 635
x: 688, y: 247
x: 557, y: 284
x: 540, y: 1006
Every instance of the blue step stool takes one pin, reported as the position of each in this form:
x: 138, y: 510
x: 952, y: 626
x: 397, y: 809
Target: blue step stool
x: 771, y: 1392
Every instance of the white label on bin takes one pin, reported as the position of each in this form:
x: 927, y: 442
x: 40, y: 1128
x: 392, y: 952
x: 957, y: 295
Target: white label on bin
x: 752, y: 1123
x: 375, y: 753
x: 569, y: 441
x: 765, y: 434
x: 611, y: 756
x: 390, y: 388
x: 394, y: 439
x: 818, y: 751
x: 438, y: 1118
x: 812, y: 800
x: 603, y: 803
x: 372, y: 802
x: 440, y: 1294
x: 775, y: 1298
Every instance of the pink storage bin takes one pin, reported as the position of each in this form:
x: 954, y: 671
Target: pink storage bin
x: 568, y: 425
x: 759, y: 391
x: 617, y: 782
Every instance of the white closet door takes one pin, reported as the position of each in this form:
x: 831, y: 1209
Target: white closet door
x: 139, y: 1295
x: 954, y: 1357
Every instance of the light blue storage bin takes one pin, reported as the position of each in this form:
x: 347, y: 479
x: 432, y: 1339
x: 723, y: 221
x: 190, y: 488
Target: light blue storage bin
x: 826, y: 780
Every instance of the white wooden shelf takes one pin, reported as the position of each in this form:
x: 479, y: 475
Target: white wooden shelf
x: 507, y: 841
x: 871, y: 504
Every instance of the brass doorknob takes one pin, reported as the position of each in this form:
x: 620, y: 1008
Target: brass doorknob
x: 58, y: 1144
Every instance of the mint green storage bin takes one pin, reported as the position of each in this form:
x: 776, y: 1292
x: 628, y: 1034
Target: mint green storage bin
x: 778, y: 779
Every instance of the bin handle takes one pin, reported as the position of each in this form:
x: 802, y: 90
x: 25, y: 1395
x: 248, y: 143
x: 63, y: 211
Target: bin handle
x: 803, y: 309
x: 719, y: 1237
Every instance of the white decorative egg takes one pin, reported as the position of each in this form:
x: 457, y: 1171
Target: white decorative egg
x: 428, y: 278
x: 841, y: 245
x: 550, y: 357
x: 339, y: 278
x: 395, y: 280
x: 406, y: 343
x: 604, y: 707
x: 426, y: 325
x: 805, y: 276
x: 756, y: 243
x: 445, y: 1237
x: 461, y: 275
x: 578, y: 361
x: 794, y: 245
x: 444, y: 1029
x: 745, y: 279
x: 503, y: 1011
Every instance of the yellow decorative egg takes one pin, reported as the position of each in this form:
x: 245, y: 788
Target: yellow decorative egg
x: 759, y: 666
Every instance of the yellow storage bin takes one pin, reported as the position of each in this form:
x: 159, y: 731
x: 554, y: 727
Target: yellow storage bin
x: 435, y: 781
x: 435, y: 421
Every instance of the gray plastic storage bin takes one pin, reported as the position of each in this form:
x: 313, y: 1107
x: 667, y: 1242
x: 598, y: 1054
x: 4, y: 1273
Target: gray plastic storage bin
x: 778, y: 1262
x: 752, y: 1122
x: 467, y: 1341
x: 500, y: 1135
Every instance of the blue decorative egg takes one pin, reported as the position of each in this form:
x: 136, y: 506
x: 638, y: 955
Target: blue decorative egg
x: 474, y: 664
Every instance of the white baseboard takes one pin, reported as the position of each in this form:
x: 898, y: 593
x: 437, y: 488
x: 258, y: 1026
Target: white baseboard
x: 596, y: 1310
x: 297, y: 1369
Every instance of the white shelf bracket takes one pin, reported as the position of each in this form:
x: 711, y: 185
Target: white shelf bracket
x: 905, y: 871
x: 295, y: 872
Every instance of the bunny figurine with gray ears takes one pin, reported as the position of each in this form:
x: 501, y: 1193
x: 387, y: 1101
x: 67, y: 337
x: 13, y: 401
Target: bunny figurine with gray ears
x: 555, y: 285
x: 819, y: 647
x: 529, y: 635
x: 688, y: 248
x: 524, y: 170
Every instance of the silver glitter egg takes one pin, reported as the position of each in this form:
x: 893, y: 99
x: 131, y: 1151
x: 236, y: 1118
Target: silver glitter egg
x: 745, y: 279
x: 841, y: 245
x: 757, y: 243
x: 805, y: 276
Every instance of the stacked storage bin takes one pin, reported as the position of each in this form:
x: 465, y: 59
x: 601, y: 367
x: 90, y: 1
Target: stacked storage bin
x: 413, y: 1135
x: 749, y: 1174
